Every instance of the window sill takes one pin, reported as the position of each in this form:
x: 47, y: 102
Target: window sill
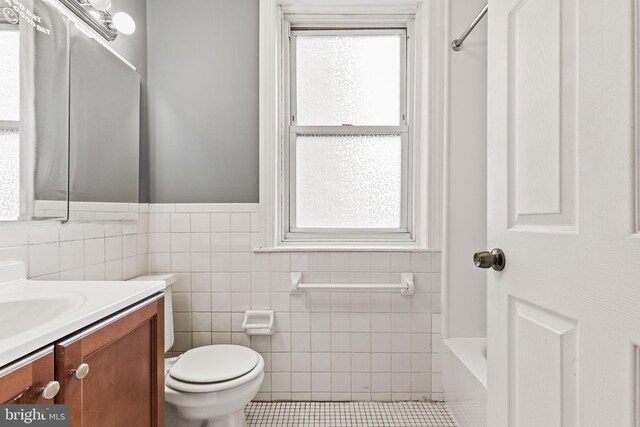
x: 341, y: 248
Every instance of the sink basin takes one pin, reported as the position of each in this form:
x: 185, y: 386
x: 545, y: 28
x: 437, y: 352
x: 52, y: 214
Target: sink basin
x: 36, y: 313
x: 20, y: 313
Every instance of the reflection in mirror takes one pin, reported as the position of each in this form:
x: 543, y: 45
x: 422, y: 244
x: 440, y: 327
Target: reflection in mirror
x: 9, y: 121
x: 104, y: 133
x: 34, y: 76
x: 42, y: 115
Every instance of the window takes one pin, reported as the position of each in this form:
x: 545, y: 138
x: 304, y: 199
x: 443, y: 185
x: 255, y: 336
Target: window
x: 343, y: 149
x: 9, y: 122
x: 348, y: 136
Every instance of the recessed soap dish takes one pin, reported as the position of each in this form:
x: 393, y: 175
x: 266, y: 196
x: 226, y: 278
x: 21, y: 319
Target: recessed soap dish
x: 258, y: 322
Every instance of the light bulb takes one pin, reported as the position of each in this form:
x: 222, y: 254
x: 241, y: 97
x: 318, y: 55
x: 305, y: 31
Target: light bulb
x: 124, y: 23
x: 100, y: 4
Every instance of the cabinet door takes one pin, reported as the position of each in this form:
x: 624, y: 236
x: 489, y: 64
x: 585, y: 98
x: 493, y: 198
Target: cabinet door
x: 23, y: 382
x: 124, y: 355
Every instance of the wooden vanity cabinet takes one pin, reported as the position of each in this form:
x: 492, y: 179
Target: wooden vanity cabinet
x: 112, y: 374
x: 23, y: 382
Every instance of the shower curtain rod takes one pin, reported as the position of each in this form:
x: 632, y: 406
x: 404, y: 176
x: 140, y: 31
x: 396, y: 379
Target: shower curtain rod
x: 457, y: 43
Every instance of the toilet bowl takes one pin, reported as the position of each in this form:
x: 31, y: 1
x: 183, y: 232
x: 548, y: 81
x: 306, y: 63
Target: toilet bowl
x: 211, y: 385
x: 207, y: 386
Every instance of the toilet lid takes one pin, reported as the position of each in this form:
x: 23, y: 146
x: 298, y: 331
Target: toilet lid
x: 214, y: 363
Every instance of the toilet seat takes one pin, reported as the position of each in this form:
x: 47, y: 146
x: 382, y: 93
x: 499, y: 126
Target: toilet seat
x: 214, y: 363
x: 214, y: 368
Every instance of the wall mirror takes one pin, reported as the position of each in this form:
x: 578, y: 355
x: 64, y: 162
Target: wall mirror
x: 104, y: 132
x: 34, y: 113
x: 69, y: 120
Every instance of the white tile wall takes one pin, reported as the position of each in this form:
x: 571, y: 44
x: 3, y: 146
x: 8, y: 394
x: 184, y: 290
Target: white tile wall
x: 329, y: 345
x: 336, y: 345
x: 113, y: 250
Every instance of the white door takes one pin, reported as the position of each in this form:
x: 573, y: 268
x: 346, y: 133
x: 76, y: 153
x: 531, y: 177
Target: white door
x: 564, y: 315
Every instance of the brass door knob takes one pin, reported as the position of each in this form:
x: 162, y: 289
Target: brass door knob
x: 494, y: 259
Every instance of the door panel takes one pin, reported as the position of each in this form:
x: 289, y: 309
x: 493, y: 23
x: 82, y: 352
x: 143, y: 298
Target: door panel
x: 535, y: 105
x: 563, y: 316
x: 543, y: 357
x: 542, y: 113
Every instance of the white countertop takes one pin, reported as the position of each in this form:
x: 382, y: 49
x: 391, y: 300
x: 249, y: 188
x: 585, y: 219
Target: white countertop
x: 82, y: 302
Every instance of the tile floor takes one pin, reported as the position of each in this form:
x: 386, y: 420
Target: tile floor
x: 348, y: 414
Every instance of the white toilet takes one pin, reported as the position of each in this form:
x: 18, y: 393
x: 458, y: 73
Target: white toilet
x: 207, y: 386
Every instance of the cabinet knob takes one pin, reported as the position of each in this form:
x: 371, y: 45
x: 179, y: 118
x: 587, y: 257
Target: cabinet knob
x: 81, y: 371
x: 51, y: 390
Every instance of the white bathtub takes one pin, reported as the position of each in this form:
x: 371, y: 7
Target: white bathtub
x: 464, y: 377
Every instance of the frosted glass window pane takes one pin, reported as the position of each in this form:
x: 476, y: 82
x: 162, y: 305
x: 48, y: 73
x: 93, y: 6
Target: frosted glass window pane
x: 348, y: 181
x: 345, y: 79
x: 9, y: 174
x: 9, y: 75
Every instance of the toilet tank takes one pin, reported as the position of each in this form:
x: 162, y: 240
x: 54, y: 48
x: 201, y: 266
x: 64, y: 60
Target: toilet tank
x: 169, y: 279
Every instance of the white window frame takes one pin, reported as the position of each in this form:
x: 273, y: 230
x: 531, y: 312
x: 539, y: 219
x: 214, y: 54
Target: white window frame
x: 421, y: 137
x: 292, y: 233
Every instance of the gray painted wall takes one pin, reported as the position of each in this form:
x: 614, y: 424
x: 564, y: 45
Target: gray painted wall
x: 203, y: 101
x: 134, y: 49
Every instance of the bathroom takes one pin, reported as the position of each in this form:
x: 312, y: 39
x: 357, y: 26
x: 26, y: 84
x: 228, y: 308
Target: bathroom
x: 272, y: 212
